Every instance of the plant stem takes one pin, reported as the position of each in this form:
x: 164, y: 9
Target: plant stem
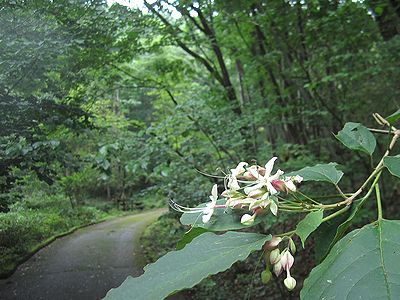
x: 378, y: 168
x: 307, y: 197
x: 380, y: 130
x: 335, y: 214
x: 340, y: 191
x: 329, y: 206
x: 378, y: 201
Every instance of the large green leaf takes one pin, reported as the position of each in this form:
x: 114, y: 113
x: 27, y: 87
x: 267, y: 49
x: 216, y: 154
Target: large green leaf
x: 393, y: 117
x: 392, y: 163
x: 206, y: 255
x: 365, y: 264
x: 355, y: 136
x: 309, y: 224
x: 320, y: 172
x: 221, y: 220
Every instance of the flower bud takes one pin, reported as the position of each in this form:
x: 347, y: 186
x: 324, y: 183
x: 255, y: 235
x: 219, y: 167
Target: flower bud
x: 290, y: 185
x: 266, y: 276
x: 274, y: 257
x: 279, y: 185
x: 278, y: 268
x: 247, y: 219
x: 298, y: 178
x: 256, y: 193
x: 273, y: 243
x: 292, y: 246
x: 290, y: 283
x: 287, y: 260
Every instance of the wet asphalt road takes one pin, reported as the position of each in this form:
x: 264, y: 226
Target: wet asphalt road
x: 83, y: 265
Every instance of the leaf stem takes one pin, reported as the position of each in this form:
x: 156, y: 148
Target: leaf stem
x: 340, y: 191
x: 335, y: 214
x: 380, y: 130
x: 308, y: 198
x: 378, y: 201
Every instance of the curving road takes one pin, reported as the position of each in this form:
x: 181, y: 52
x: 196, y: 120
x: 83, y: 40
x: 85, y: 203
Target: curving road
x: 83, y: 265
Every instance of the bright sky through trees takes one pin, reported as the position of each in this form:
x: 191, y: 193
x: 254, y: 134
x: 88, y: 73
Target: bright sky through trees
x: 129, y: 3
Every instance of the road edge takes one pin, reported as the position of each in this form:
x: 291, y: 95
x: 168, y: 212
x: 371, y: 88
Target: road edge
x: 48, y: 241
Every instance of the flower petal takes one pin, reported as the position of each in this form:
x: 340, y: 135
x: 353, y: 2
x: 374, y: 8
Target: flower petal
x: 271, y: 188
x: 233, y: 184
x: 207, y: 217
x: 290, y: 185
x: 254, y: 172
x: 298, y: 179
x: 214, y: 193
x: 269, y: 166
x: 239, y: 169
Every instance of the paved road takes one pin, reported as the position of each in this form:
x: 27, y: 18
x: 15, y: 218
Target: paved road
x: 83, y: 265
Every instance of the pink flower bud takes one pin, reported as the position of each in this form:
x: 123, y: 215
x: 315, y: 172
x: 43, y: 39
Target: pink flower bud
x: 279, y: 185
x: 287, y: 260
x: 273, y: 243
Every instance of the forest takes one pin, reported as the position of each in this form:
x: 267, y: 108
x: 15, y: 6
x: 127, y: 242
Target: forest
x: 113, y: 108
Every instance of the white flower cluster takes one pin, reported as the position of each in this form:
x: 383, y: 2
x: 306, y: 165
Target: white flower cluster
x: 254, y: 188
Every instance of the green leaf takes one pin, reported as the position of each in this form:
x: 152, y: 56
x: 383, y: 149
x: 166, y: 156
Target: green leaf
x: 309, y: 224
x: 355, y: 136
x: 392, y: 163
x: 365, y: 264
x: 189, y: 236
x: 393, y: 117
x: 206, y: 255
x: 221, y: 220
x: 320, y: 172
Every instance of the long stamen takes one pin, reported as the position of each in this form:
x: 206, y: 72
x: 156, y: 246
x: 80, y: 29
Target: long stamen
x: 180, y: 208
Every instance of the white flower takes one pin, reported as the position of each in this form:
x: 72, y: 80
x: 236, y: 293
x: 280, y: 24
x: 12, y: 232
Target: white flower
x: 239, y: 202
x: 239, y: 169
x: 232, y: 181
x: 209, y: 209
x: 289, y: 182
x: 266, y: 179
x: 298, y: 178
x: 206, y: 211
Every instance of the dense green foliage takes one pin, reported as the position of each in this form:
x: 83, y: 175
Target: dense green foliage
x: 106, y: 107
